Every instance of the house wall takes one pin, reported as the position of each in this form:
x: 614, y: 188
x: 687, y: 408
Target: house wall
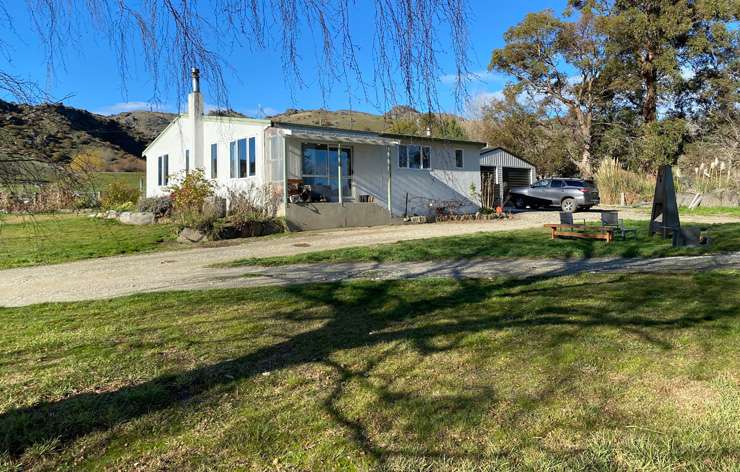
x: 424, y: 187
x: 443, y: 182
x: 178, y: 137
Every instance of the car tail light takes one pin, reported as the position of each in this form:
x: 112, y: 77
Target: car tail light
x: 584, y: 190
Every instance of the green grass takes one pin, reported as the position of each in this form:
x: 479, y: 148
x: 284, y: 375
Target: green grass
x: 102, y: 179
x: 521, y: 243
x: 591, y: 372
x: 51, y: 239
x: 711, y: 211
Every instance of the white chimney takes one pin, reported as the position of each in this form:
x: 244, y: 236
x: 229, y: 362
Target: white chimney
x: 195, y: 117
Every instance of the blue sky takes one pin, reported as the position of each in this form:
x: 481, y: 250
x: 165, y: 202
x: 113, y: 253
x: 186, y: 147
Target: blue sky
x: 90, y: 78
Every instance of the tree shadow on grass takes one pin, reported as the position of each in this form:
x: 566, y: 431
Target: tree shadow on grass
x: 369, y: 314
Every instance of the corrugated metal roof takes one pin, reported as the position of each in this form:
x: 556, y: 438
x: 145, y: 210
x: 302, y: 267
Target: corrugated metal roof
x: 336, y: 135
x: 500, y: 157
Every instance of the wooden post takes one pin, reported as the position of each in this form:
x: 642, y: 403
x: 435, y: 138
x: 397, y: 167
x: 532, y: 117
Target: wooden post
x: 339, y: 172
x: 388, y: 163
x: 285, y: 175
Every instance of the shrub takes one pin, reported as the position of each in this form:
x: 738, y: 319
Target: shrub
x: 160, y: 206
x: 253, y: 204
x: 189, y: 192
x: 613, y: 180
x: 188, y: 195
x: 118, y: 193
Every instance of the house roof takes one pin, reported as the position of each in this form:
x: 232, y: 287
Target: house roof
x: 412, y: 137
x: 394, y: 136
x: 320, y: 133
x: 489, y: 150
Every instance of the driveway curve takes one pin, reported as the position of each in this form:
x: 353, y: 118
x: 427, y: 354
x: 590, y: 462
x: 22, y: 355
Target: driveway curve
x: 190, y: 269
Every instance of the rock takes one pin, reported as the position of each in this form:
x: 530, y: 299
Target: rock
x: 422, y: 219
x: 111, y: 214
x: 214, y: 207
x: 136, y: 218
x: 190, y: 235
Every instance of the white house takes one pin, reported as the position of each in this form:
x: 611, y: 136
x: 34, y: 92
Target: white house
x: 382, y: 175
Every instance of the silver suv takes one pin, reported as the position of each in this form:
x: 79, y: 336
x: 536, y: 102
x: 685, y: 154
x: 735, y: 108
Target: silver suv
x: 568, y: 194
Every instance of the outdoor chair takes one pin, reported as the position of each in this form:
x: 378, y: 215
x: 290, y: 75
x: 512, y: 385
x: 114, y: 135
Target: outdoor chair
x: 566, y: 218
x: 610, y: 219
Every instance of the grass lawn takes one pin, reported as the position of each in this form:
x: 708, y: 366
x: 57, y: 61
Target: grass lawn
x: 521, y: 243
x: 711, y: 211
x: 590, y: 372
x: 132, y: 179
x: 51, y: 239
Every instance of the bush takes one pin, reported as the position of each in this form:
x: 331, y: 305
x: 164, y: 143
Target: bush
x: 188, y: 195
x: 613, y: 180
x: 118, y: 193
x: 160, y: 206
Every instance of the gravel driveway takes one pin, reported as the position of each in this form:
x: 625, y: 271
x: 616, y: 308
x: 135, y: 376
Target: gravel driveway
x: 189, y: 269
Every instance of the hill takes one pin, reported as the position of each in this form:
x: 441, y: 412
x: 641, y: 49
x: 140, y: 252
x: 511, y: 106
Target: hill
x: 336, y: 119
x: 59, y: 132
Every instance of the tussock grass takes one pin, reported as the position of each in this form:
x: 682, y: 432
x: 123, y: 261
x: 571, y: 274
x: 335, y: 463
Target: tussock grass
x: 613, y: 180
x: 591, y: 372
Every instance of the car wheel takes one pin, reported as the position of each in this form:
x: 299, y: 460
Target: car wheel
x: 519, y: 203
x: 568, y: 205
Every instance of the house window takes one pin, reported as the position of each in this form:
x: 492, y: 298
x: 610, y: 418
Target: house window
x: 242, y: 164
x: 232, y: 160
x: 403, y: 157
x: 459, y: 158
x: 320, y: 164
x: 252, y: 156
x: 187, y: 161
x: 214, y: 161
x: 162, y: 170
x: 413, y: 156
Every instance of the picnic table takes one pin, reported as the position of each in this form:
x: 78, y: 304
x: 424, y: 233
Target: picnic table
x: 581, y: 231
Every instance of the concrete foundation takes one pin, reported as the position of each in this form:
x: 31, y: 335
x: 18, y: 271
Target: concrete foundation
x: 309, y: 216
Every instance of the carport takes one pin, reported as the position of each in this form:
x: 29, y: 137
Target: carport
x: 500, y: 170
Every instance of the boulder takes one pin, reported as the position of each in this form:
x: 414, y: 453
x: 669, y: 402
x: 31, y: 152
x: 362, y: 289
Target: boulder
x: 111, y: 214
x: 136, y: 218
x: 214, y: 207
x: 191, y: 235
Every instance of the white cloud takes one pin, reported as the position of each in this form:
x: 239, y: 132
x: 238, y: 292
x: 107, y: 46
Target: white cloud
x: 481, y: 76
x: 476, y: 103
x: 121, y: 107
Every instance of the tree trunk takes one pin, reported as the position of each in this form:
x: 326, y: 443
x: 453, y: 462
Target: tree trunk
x: 650, y: 80
x: 584, y: 165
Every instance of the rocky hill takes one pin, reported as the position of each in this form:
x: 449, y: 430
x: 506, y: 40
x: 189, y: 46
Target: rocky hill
x: 59, y: 132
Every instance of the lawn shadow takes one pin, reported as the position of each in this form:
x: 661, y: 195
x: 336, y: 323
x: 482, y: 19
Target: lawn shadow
x: 360, y: 315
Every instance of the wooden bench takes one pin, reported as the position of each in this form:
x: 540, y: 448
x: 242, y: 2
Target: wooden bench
x: 581, y: 231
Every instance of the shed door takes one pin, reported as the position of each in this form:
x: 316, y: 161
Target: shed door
x: 514, y: 177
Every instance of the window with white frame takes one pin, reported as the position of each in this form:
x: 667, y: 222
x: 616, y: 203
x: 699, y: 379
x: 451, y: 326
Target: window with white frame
x: 214, y: 160
x: 459, y: 158
x: 163, y: 170
x: 243, y: 158
x: 413, y: 156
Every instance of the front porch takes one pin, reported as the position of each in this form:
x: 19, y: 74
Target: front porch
x: 332, y: 178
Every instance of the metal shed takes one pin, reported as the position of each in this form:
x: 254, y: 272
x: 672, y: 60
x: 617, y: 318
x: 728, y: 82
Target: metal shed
x: 500, y: 170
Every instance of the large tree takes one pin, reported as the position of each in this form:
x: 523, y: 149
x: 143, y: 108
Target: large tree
x: 565, y: 63
x: 669, y: 48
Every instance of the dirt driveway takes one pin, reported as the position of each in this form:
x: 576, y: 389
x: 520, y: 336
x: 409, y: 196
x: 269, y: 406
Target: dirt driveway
x: 186, y: 269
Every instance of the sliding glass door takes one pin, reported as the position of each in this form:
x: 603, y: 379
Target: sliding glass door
x: 321, y: 171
